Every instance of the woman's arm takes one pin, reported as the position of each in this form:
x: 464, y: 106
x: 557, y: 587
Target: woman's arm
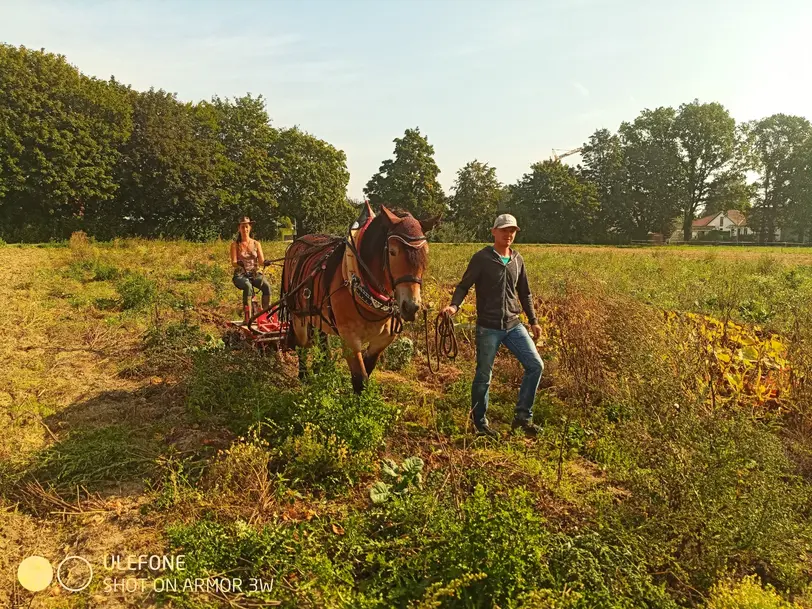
x: 234, y: 263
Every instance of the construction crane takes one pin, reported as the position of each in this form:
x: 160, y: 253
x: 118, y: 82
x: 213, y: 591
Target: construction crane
x: 558, y: 157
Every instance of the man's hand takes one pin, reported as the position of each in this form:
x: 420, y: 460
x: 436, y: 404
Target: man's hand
x: 536, y: 329
x: 449, y: 310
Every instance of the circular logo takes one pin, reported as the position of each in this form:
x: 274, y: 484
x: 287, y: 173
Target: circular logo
x: 35, y: 573
x: 81, y: 573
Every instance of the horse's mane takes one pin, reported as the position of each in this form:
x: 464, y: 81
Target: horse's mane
x: 374, y: 239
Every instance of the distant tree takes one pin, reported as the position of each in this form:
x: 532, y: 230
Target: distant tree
x: 477, y: 197
x: 604, y: 164
x: 247, y: 182
x: 313, y: 180
x: 409, y: 181
x: 551, y: 204
x: 775, y: 142
x: 170, y: 169
x: 653, y: 196
x: 799, y: 191
x: 735, y: 193
x: 59, y: 138
x: 708, y: 150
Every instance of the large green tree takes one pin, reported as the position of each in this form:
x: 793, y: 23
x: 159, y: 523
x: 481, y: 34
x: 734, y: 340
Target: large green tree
x: 653, y: 197
x: 775, y: 143
x: 247, y: 181
x: 604, y: 164
x: 552, y: 205
x: 799, y: 192
x: 477, y: 197
x: 708, y: 150
x: 170, y: 168
x: 59, y: 137
x: 312, y: 182
x: 409, y: 181
x: 735, y: 193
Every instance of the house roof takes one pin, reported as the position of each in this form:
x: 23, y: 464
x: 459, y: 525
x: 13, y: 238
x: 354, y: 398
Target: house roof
x: 737, y: 217
x: 704, y: 221
x: 733, y: 215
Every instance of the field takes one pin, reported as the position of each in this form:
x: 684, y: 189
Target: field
x: 675, y: 467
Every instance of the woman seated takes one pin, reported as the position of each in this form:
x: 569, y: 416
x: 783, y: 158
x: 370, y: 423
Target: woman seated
x: 247, y: 259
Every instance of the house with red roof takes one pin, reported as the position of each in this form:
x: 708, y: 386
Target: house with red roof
x: 732, y: 222
x: 730, y: 225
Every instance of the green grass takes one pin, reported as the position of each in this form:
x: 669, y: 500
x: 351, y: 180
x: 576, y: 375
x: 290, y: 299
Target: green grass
x: 646, y: 488
x: 95, y: 458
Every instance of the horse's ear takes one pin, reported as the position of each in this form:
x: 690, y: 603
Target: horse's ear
x: 393, y: 219
x: 430, y: 223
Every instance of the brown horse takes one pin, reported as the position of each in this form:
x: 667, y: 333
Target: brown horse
x: 358, y: 288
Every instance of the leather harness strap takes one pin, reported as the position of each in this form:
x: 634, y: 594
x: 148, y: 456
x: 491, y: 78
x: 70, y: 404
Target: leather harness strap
x: 366, y: 290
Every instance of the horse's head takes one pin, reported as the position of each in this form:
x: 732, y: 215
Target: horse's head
x: 406, y: 257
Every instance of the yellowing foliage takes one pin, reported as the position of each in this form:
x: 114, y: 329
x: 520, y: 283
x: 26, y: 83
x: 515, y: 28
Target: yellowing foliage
x: 744, y: 365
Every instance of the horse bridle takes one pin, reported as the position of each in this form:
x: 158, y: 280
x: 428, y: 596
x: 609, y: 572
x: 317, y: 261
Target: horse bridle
x: 408, y: 241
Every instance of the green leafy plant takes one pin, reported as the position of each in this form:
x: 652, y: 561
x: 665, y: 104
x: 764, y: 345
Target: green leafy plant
x: 400, y: 479
x: 398, y: 355
x: 745, y: 594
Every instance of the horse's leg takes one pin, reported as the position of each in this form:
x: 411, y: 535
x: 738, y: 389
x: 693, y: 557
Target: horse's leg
x: 355, y: 360
x: 373, y: 352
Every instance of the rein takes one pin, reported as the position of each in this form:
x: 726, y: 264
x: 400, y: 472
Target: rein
x: 445, y: 340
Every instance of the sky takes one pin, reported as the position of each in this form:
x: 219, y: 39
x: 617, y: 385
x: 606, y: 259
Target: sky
x: 500, y: 81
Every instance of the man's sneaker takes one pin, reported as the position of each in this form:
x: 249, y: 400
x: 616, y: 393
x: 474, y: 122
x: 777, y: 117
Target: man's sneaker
x: 485, y: 430
x: 529, y: 428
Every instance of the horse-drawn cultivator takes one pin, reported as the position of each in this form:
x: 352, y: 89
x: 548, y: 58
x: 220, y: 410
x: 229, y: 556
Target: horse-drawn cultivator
x: 360, y: 287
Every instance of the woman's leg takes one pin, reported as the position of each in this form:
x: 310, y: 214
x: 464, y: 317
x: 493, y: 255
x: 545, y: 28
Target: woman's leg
x: 262, y: 284
x: 243, y: 283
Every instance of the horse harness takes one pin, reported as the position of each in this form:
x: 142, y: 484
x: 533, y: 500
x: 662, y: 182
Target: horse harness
x: 366, y: 291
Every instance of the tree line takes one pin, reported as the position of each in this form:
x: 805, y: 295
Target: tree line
x: 82, y: 153
x: 656, y: 174
x: 78, y: 152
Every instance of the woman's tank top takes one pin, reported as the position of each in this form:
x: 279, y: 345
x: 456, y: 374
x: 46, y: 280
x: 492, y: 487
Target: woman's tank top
x: 248, y: 256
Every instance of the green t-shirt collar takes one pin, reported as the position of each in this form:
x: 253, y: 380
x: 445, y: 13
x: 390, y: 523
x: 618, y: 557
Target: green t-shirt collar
x: 505, y: 259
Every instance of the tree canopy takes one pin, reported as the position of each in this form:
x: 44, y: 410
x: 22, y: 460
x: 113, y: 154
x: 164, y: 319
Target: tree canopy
x: 77, y: 152
x: 409, y: 181
x: 477, y: 197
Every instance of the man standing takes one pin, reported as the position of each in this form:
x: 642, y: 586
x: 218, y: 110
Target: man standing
x: 502, y: 292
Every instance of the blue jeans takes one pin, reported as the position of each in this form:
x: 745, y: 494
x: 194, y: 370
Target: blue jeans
x: 519, y: 342
x: 244, y: 283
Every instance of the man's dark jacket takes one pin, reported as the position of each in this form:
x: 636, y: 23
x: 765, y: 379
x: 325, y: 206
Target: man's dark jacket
x: 502, y: 290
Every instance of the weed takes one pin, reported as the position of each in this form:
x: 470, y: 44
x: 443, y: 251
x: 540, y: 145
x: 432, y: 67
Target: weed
x: 398, y: 354
x: 80, y: 245
x: 723, y: 496
x: 323, y: 433
x: 292, y: 560
x: 745, y: 594
x: 400, y: 479
x: 175, y: 483
x: 95, y: 457
x: 136, y: 291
